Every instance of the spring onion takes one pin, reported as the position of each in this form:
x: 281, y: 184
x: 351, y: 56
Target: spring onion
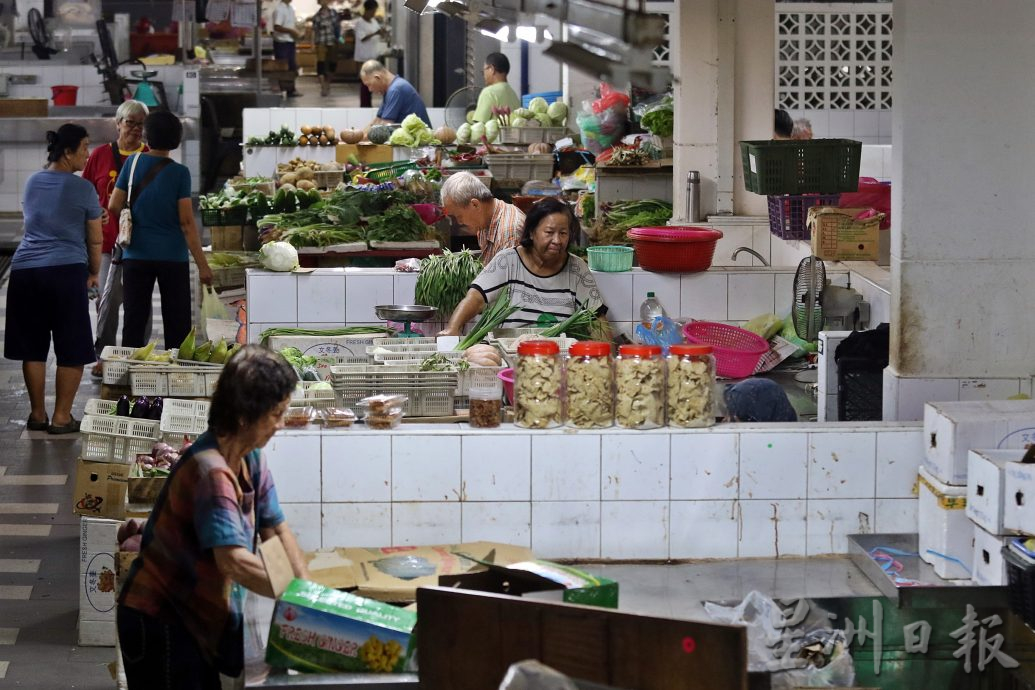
x: 491, y: 318
x: 445, y: 278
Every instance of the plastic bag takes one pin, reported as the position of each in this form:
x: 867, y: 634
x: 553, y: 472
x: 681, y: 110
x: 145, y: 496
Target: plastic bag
x: 535, y: 675
x: 657, y: 115
x: 602, y: 122
x: 212, y: 307
x: 663, y: 331
x: 871, y: 194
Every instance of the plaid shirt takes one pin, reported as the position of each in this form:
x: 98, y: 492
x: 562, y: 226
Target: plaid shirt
x: 504, y: 230
x: 325, y: 27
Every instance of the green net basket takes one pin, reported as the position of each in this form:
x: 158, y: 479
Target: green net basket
x: 610, y: 259
x: 814, y: 166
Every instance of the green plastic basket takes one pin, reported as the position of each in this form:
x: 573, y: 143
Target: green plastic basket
x: 610, y: 259
x: 235, y: 215
x: 388, y: 171
x: 211, y: 217
x: 814, y: 166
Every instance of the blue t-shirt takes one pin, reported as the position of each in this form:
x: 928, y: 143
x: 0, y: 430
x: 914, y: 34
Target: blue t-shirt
x: 157, y: 235
x: 56, y: 207
x: 401, y: 99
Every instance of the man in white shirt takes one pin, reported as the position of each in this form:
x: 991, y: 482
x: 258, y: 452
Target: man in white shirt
x: 369, y: 46
x: 285, y: 33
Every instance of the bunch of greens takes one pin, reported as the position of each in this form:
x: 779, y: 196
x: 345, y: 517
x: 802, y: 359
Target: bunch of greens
x: 400, y: 223
x: 445, y: 278
x: 304, y: 365
x: 659, y: 118
x: 323, y: 332
x: 582, y: 325
x: 439, y: 362
x: 622, y: 216
x: 492, y: 316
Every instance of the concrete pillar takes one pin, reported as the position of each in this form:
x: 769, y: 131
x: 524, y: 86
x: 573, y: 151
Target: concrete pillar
x: 754, y: 91
x: 962, y: 243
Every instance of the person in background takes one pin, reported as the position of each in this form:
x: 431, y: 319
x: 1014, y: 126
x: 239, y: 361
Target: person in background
x: 783, y: 126
x: 56, y: 262
x: 546, y: 283
x: 802, y: 130
x: 164, y: 236
x: 370, y: 36
x: 497, y: 224
x: 497, y: 92
x: 180, y: 609
x: 758, y: 400
x: 326, y: 31
x: 101, y: 170
x: 285, y: 33
x: 400, y: 98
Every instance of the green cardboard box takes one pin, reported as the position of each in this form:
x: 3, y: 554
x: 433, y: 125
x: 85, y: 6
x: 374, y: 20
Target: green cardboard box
x: 573, y: 586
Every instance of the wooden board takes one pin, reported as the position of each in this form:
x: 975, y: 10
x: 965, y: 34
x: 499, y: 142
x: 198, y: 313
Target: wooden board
x: 469, y: 639
x: 23, y: 107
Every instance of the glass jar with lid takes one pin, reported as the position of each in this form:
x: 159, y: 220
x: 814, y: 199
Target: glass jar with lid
x: 538, y: 401
x: 639, y: 387
x: 590, y: 385
x: 691, y: 386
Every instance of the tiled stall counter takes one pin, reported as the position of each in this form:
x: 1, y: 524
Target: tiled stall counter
x: 736, y: 490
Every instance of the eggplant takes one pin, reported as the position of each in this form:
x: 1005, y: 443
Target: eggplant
x: 140, y: 408
x: 122, y: 406
x: 154, y: 411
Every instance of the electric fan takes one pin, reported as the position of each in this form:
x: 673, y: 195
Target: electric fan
x: 459, y: 104
x: 807, y: 310
x: 40, y: 37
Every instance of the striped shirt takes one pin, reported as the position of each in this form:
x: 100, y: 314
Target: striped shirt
x: 202, y: 506
x: 542, y: 299
x: 504, y: 230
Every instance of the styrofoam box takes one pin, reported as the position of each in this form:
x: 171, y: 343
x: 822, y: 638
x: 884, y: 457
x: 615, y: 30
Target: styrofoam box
x: 985, y: 487
x: 946, y: 535
x: 951, y: 429
x: 98, y: 545
x: 1019, y: 503
x: 326, y: 345
x: 97, y: 633
x: 989, y: 568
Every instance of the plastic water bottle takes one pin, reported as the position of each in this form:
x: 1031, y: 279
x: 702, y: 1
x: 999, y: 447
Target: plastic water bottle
x: 650, y: 308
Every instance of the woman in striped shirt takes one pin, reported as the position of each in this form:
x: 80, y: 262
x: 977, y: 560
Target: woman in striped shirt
x: 547, y: 284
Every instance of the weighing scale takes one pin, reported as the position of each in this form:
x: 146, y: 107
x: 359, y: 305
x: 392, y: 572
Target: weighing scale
x: 405, y: 314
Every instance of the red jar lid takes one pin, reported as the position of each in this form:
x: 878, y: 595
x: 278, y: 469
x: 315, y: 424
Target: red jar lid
x: 590, y: 348
x: 690, y: 349
x: 538, y: 347
x: 639, y: 350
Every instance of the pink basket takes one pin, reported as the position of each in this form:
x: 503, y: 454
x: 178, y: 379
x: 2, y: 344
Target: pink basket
x: 736, y: 351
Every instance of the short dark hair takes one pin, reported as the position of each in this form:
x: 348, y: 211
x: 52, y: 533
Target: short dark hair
x: 252, y: 384
x: 68, y: 137
x: 784, y: 125
x: 163, y: 131
x: 499, y: 62
x: 370, y: 5
x: 540, y: 210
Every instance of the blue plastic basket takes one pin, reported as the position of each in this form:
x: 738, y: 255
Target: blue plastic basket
x: 550, y: 97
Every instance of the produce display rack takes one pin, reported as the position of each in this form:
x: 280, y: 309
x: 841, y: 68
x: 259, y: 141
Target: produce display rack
x: 313, y: 394
x: 116, y: 364
x: 174, y: 381
x: 429, y: 393
x: 107, y: 438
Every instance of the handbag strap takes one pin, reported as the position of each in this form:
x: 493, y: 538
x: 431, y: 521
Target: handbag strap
x: 148, y: 178
x: 117, y: 156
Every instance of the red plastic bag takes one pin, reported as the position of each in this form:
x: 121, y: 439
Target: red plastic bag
x: 871, y: 194
x: 610, y: 98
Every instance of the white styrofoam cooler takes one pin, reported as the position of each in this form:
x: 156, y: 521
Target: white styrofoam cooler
x: 989, y: 567
x: 98, y: 544
x: 951, y: 429
x: 985, y: 487
x: 946, y: 535
x: 827, y: 384
x: 1019, y: 490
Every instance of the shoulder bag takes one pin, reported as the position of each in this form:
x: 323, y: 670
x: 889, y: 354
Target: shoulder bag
x: 126, y: 215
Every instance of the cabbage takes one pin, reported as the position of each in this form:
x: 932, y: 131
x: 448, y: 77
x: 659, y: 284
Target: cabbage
x: 413, y: 124
x: 544, y: 119
x: 557, y: 112
x: 279, y: 256
x: 477, y: 131
x: 518, y: 122
x: 470, y: 117
x: 522, y: 112
x: 492, y: 130
x: 538, y: 105
x: 463, y: 133
x: 401, y: 137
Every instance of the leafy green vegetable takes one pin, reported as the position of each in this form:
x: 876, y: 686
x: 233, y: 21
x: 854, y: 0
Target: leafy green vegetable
x: 444, y: 279
x: 492, y: 316
x: 348, y: 330
x: 399, y: 223
x: 439, y: 362
x: 660, y: 118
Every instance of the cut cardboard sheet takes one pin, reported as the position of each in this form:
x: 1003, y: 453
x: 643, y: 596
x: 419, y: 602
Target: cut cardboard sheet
x: 278, y: 566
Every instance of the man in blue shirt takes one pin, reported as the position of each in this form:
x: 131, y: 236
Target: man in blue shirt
x: 400, y: 98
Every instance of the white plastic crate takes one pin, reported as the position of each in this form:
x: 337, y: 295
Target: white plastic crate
x: 97, y: 406
x: 429, y: 393
x: 107, y: 438
x: 175, y: 381
x: 402, y: 344
x: 116, y: 364
x: 520, y: 166
x: 307, y: 393
x: 531, y: 135
x: 184, y: 418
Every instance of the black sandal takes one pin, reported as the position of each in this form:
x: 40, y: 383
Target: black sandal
x: 37, y: 426
x: 71, y: 428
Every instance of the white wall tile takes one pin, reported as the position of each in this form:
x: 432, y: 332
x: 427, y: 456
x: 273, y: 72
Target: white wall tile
x: 866, y: 123
x: 566, y: 468
x: 616, y: 291
x: 773, y: 465
x: 9, y: 202
x: 566, y: 529
x: 497, y: 468
x: 896, y: 515
x: 321, y: 299
x: 914, y: 393
x: 665, y: 288
x: 733, y: 237
x: 312, y: 117
x: 357, y: 468
x: 363, y: 293
x: 348, y: 525
x: 988, y: 389
x: 419, y: 524
x: 294, y: 462
x: 304, y: 519
x: 634, y: 529
x: 772, y: 528
x: 783, y: 297
x: 506, y: 523
x: 404, y: 285
x: 761, y: 242
x: 789, y: 253
x: 899, y: 456
x: 831, y: 521
x: 283, y: 117
x: 704, y: 296
x: 634, y: 468
x: 337, y: 118
x: 842, y: 465
x: 871, y: 162
x: 842, y: 124
x: 750, y: 294
x: 820, y: 120
x: 272, y: 297
x: 884, y: 123
x: 704, y: 466
x: 255, y: 122
x: 425, y: 468
x: 704, y: 529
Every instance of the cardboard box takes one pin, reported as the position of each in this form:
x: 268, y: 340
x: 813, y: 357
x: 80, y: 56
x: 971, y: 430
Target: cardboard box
x: 946, y: 536
x: 989, y: 567
x: 144, y: 490
x: 837, y: 236
x: 123, y: 562
x: 393, y: 574
x: 97, y: 579
x: 319, y: 629
x: 1019, y: 491
x: 952, y: 429
x: 541, y: 579
x: 985, y: 487
x: 100, y: 489
x: 366, y: 153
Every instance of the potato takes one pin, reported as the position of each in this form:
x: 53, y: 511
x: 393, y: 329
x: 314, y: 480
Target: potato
x: 289, y: 178
x: 305, y: 173
x: 303, y: 140
x: 324, y: 140
x: 306, y: 184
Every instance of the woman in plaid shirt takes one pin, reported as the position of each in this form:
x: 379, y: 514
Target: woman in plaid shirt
x: 326, y: 31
